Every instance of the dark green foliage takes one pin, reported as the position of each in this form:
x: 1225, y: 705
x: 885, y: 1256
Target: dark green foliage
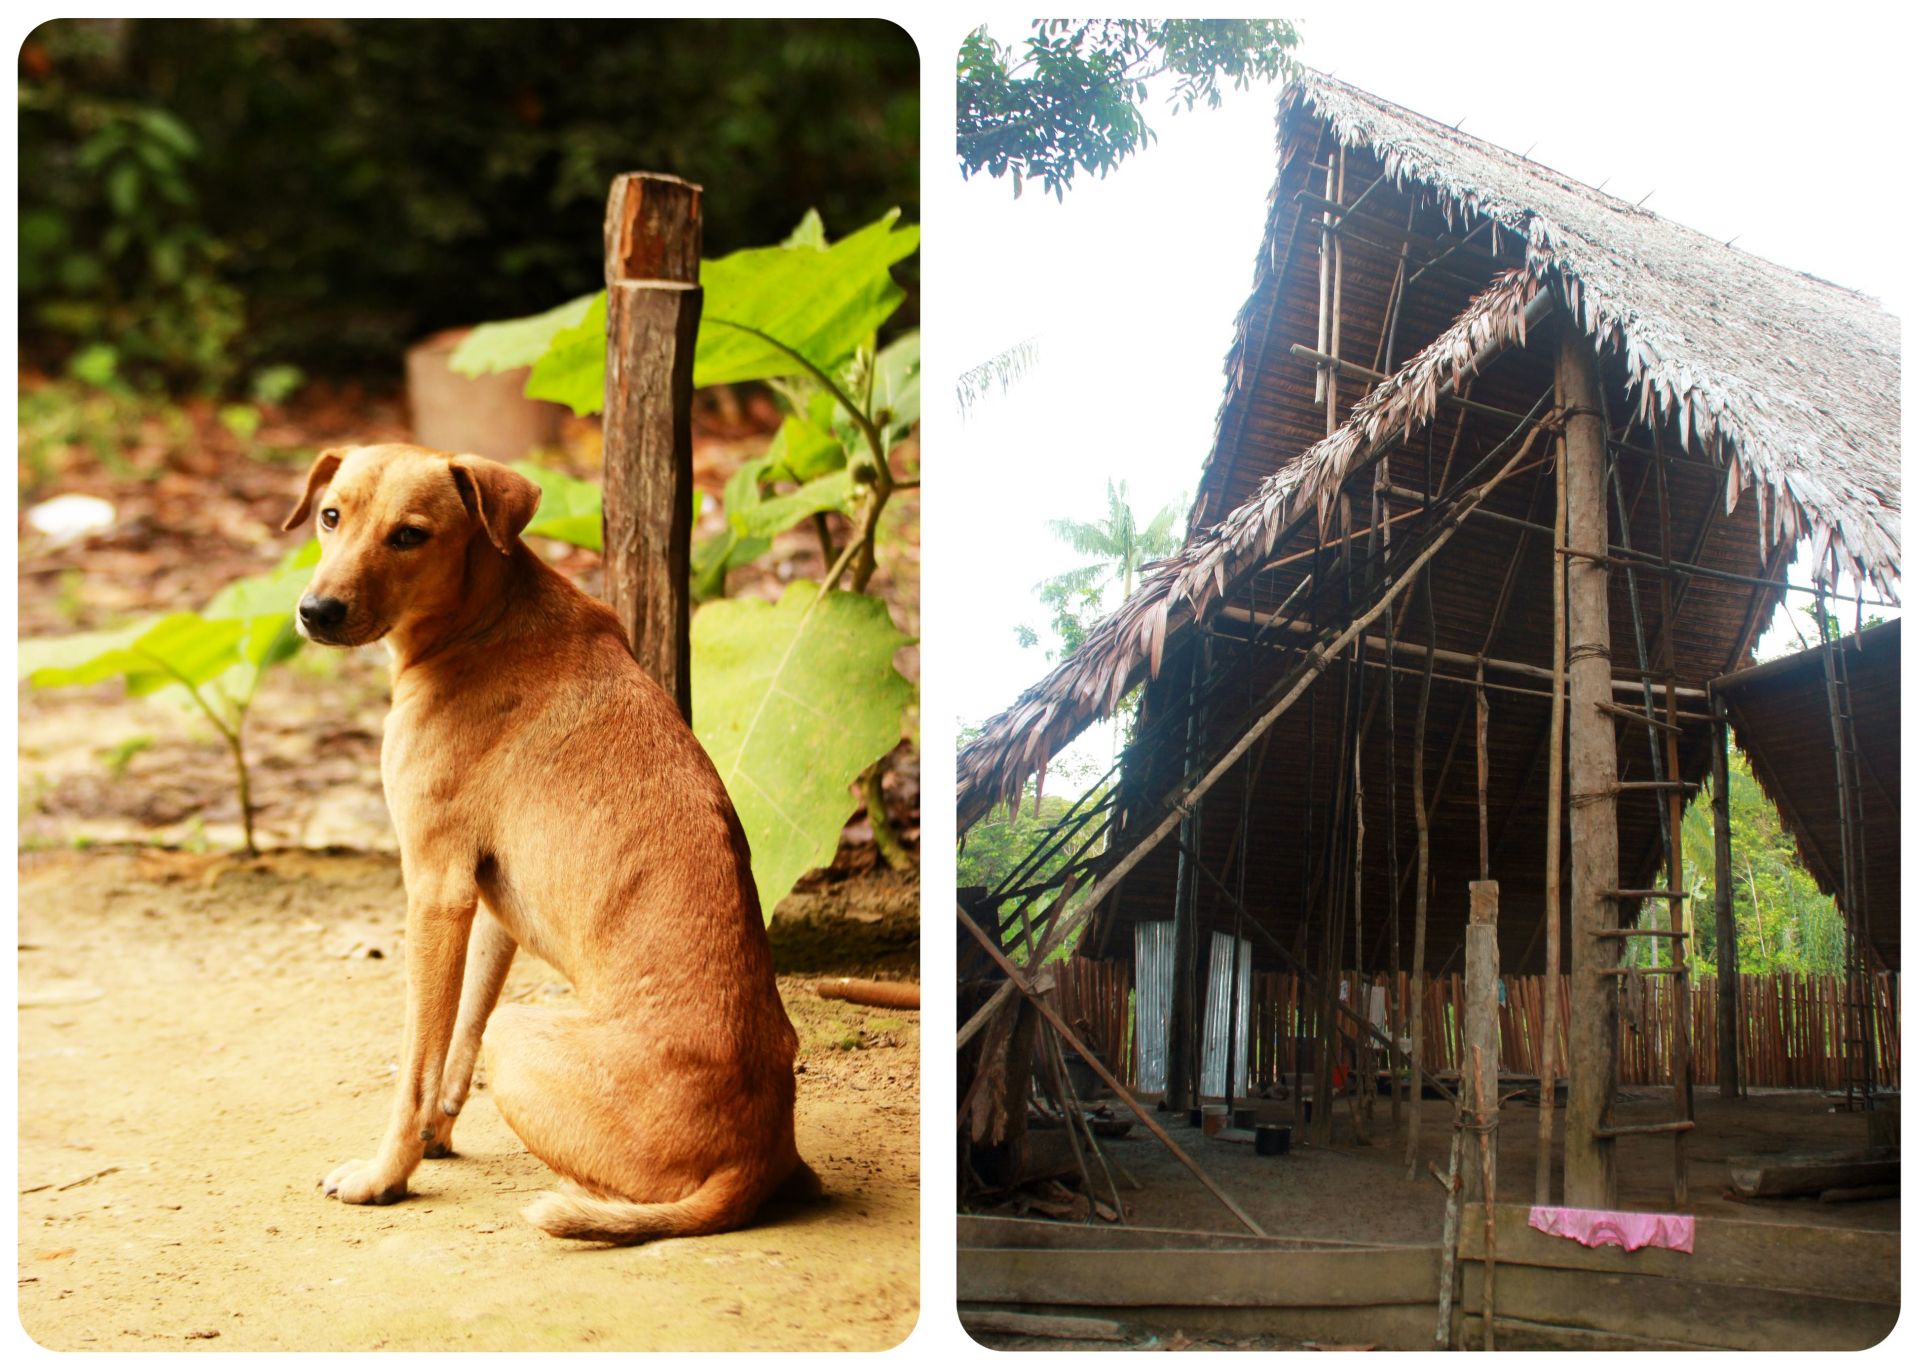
x: 1781, y: 919
x: 1071, y: 102
x: 360, y: 183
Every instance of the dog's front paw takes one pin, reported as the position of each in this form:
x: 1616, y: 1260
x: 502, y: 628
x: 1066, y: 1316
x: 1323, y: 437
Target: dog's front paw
x: 364, y: 1182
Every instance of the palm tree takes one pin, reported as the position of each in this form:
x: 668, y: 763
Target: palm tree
x: 1121, y: 546
x: 1119, y: 541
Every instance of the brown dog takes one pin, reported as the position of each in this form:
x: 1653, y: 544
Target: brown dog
x: 547, y: 794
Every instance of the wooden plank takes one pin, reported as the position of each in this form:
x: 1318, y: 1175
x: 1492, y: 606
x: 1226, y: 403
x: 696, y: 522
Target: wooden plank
x: 977, y: 1320
x: 1780, y: 1177
x: 1386, y: 1327
x: 1815, y: 1260
x: 1521, y: 1334
x: 983, y: 1231
x: 1671, y: 1309
x: 1232, y: 1279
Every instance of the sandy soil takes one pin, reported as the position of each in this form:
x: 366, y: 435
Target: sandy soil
x: 202, y: 1038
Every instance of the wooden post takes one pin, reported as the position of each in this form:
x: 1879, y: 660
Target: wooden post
x: 1481, y: 1041
x: 652, y: 238
x: 1592, y: 769
x: 1556, y: 767
x: 1726, y: 949
x: 1422, y: 854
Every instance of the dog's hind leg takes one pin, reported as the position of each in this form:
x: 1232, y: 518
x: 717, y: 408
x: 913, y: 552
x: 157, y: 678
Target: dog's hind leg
x: 591, y: 1101
x: 490, y: 949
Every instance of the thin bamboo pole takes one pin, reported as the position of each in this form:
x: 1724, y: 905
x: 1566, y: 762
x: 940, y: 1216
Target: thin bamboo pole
x: 1549, y: 1013
x: 1421, y: 855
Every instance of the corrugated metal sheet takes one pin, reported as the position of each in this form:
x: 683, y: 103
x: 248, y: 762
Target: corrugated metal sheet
x: 1153, y: 1003
x: 1223, y: 999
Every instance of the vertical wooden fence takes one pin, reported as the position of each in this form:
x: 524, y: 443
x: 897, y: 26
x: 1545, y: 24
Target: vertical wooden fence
x: 1791, y: 1027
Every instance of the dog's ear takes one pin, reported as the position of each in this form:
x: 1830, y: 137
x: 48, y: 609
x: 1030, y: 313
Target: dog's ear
x: 499, y: 497
x: 318, y: 475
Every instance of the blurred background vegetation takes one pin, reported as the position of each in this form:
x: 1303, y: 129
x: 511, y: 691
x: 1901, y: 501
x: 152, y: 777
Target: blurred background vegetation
x: 205, y: 201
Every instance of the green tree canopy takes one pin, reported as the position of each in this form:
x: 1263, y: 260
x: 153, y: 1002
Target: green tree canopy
x: 1069, y: 98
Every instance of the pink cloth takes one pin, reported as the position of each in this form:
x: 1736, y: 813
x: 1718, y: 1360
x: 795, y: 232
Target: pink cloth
x: 1599, y: 1227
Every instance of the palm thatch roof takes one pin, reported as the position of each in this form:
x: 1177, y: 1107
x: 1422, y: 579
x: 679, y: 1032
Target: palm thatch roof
x: 1786, y: 384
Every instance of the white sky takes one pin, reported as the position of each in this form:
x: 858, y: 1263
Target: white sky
x: 1737, y: 122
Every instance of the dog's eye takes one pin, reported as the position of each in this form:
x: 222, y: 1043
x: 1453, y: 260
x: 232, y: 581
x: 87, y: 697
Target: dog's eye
x: 406, y: 535
x: 329, y: 518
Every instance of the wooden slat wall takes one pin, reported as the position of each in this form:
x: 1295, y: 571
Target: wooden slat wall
x: 1744, y: 1286
x: 1790, y: 1029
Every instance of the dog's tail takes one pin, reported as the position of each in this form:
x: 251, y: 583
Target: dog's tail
x: 727, y: 1199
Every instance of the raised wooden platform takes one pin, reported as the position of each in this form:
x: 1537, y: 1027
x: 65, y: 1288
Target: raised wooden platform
x: 1746, y: 1286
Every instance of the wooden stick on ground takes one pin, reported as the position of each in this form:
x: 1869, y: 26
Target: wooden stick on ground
x: 901, y: 994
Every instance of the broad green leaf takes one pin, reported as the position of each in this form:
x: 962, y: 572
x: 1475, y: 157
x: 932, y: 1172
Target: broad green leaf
x: 822, y: 304
x: 793, y: 707
x: 277, y: 593
x: 573, y: 369
x: 514, y: 343
x: 777, y: 513
x: 820, y: 301
x: 174, y: 649
x: 811, y: 231
x: 569, y: 509
x: 809, y: 447
x: 719, y: 554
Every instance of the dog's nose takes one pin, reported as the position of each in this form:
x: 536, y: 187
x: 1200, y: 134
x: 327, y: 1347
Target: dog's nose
x: 322, y: 611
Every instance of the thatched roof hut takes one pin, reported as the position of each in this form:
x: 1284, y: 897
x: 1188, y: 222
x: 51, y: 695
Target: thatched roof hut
x: 1753, y: 409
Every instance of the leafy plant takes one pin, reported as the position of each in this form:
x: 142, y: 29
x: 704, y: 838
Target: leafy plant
x: 213, y: 660
x: 1782, y: 921
x: 380, y: 181
x: 1070, y: 101
x: 802, y: 317
x: 793, y: 701
x: 114, y: 253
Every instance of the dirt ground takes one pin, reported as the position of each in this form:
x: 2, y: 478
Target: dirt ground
x: 202, y: 1038
x: 1354, y: 1193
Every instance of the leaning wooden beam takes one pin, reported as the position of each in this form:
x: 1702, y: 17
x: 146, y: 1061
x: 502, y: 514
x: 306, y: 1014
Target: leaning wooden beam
x: 1593, y: 1039
x: 1316, y: 661
x: 1046, y: 1010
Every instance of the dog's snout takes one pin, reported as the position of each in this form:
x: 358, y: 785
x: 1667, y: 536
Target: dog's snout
x: 322, y: 612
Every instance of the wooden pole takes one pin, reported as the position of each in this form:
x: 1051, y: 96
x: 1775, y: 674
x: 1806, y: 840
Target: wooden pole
x: 1420, y: 859
x: 652, y: 237
x: 1482, y: 1036
x: 1485, y: 1121
x: 1592, y: 769
x: 1556, y: 765
x: 1726, y: 949
x: 1480, y: 760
